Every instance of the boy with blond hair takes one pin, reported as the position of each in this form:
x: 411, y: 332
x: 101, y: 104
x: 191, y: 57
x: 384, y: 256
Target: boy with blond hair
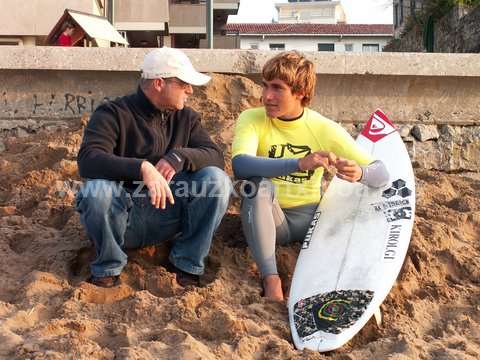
x: 282, y: 149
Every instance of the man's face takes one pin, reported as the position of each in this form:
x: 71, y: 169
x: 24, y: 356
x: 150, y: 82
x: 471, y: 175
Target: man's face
x: 175, y: 93
x: 279, y: 100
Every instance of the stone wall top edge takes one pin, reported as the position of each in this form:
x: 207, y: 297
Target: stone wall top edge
x: 241, y: 61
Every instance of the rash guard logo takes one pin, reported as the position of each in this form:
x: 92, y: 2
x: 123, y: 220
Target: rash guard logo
x: 292, y: 151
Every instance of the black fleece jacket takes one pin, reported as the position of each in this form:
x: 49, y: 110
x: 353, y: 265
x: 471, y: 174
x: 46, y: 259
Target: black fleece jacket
x: 121, y: 134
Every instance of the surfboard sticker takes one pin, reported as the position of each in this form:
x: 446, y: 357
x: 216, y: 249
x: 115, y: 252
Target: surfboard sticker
x: 311, y: 229
x: 397, y: 205
x: 399, y: 187
x: 330, y: 312
x: 378, y: 127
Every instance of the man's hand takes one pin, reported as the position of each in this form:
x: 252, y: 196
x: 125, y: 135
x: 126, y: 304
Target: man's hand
x: 317, y: 159
x: 348, y: 170
x: 158, y: 188
x: 165, y: 169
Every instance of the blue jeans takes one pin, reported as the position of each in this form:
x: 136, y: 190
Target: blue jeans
x: 116, y: 219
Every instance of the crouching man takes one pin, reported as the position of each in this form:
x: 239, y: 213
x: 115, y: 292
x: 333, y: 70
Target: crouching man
x: 153, y: 173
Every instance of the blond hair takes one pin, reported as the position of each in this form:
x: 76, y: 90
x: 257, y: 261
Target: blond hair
x: 295, y: 70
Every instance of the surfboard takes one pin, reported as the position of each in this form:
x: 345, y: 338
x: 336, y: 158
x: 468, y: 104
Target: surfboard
x: 354, y: 248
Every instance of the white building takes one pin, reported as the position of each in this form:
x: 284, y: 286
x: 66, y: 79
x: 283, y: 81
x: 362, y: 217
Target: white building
x: 311, y: 25
x: 311, y: 37
x: 312, y: 12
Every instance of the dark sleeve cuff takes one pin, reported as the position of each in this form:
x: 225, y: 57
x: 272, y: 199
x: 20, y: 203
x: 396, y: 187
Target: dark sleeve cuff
x: 175, y: 159
x: 136, y: 167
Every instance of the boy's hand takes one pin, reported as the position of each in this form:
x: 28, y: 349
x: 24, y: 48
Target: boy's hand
x: 317, y: 159
x: 348, y: 170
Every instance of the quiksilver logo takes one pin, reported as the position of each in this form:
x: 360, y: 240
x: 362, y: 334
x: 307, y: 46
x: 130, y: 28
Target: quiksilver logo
x: 378, y: 126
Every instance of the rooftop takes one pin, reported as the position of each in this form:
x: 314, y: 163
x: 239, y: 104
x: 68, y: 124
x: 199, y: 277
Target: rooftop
x: 310, y: 29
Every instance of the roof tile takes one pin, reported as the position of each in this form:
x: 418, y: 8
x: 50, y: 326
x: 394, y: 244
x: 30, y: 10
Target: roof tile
x: 314, y: 29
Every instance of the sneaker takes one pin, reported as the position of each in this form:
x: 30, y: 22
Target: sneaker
x: 105, y: 281
x: 183, y: 278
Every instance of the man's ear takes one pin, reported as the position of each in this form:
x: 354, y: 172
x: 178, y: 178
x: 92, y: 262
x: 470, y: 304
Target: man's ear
x: 158, y: 84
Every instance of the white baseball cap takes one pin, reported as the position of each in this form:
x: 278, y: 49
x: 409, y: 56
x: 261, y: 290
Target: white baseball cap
x: 168, y: 62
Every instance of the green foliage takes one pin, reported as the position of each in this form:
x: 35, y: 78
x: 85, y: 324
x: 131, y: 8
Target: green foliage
x: 440, y: 8
x: 471, y: 3
x: 432, y: 10
x: 436, y: 9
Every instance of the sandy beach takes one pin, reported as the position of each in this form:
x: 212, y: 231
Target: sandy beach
x: 48, y: 311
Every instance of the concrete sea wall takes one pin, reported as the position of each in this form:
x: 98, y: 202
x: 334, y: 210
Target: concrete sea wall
x: 433, y: 98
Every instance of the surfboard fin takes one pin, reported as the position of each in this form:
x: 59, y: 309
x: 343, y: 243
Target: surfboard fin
x: 378, y: 316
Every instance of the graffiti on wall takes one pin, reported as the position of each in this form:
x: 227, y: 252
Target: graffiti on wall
x: 41, y: 105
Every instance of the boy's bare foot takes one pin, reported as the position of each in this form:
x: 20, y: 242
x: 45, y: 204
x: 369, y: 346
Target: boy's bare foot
x: 272, y: 287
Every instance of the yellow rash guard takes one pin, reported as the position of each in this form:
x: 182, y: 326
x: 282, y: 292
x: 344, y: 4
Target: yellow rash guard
x: 258, y: 135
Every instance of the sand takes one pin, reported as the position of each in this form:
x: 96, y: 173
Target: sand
x: 48, y: 311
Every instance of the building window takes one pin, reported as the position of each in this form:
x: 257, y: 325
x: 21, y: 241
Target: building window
x: 348, y: 47
x: 159, y: 41
x: 400, y: 22
x: 321, y: 13
x: 11, y: 41
x: 413, y: 8
x: 395, y: 16
x: 277, y: 46
x: 326, y: 47
x: 123, y: 34
x: 329, y: 12
x: 370, y: 48
x: 254, y: 46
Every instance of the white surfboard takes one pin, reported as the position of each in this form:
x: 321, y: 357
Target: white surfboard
x: 355, y: 247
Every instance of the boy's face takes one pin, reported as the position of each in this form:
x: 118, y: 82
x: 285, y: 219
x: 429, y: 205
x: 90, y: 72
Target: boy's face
x: 279, y: 101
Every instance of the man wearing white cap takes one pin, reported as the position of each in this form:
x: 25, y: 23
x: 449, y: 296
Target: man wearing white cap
x: 153, y: 173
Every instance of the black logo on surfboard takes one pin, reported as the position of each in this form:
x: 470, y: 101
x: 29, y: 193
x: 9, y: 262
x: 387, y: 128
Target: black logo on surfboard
x: 311, y: 229
x: 330, y: 312
x: 397, y: 206
x: 398, y: 188
x: 398, y: 214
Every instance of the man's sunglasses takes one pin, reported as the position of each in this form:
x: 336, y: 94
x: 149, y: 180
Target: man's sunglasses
x: 184, y: 85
